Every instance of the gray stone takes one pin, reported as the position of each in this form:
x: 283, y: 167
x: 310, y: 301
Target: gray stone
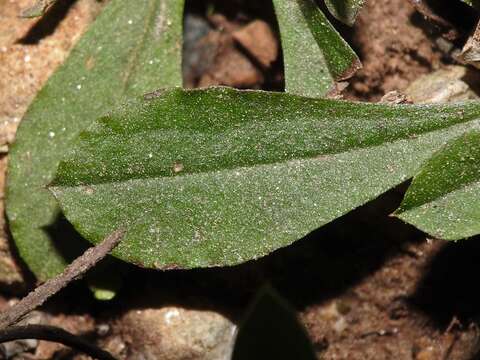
x: 442, y: 86
x: 175, y: 333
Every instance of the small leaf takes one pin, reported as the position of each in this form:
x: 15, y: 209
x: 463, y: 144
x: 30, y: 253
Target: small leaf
x: 315, y: 55
x: 473, y: 3
x: 106, y: 279
x: 345, y: 10
x: 132, y: 48
x: 37, y: 9
x: 444, y: 198
x: 271, y: 330
x: 217, y: 177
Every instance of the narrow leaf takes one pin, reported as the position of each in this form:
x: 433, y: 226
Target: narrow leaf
x: 315, y: 55
x: 219, y: 176
x: 132, y: 48
x: 271, y: 330
x: 345, y: 10
x: 444, y: 198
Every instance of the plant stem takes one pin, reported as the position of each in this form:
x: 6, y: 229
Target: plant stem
x: 54, y: 334
x: 72, y: 272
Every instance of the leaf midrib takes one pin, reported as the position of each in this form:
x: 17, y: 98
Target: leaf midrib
x: 136, y: 51
x: 321, y: 157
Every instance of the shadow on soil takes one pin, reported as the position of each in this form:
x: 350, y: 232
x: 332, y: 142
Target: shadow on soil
x: 47, y: 24
x: 449, y: 287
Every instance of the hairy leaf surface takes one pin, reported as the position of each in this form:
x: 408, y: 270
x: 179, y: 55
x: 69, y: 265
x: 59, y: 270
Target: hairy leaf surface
x: 444, y: 198
x: 219, y: 176
x: 345, y: 10
x: 315, y: 55
x: 132, y: 48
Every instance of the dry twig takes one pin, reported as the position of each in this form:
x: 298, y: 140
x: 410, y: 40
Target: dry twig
x: 72, y: 272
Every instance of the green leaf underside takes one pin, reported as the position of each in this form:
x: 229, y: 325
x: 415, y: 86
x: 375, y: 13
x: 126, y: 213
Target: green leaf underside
x: 132, y: 48
x: 219, y: 176
x: 345, y: 10
x: 444, y: 198
x: 271, y: 330
x: 315, y: 55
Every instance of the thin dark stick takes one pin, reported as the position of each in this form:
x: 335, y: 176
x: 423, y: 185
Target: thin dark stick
x: 72, y: 272
x: 54, y: 334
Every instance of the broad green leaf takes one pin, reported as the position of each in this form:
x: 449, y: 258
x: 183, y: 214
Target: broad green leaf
x: 315, y: 55
x: 132, y: 48
x: 345, y: 10
x: 271, y: 330
x: 219, y: 176
x: 444, y: 197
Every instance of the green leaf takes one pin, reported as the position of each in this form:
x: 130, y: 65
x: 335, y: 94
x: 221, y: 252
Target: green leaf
x: 132, y: 48
x: 345, y: 10
x: 106, y: 279
x: 271, y: 330
x: 315, y: 55
x: 444, y: 198
x: 219, y: 176
x: 473, y: 3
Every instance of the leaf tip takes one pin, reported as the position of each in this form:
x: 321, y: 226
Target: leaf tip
x: 351, y: 70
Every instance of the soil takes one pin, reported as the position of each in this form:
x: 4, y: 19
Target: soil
x: 366, y: 286
x: 384, y: 31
